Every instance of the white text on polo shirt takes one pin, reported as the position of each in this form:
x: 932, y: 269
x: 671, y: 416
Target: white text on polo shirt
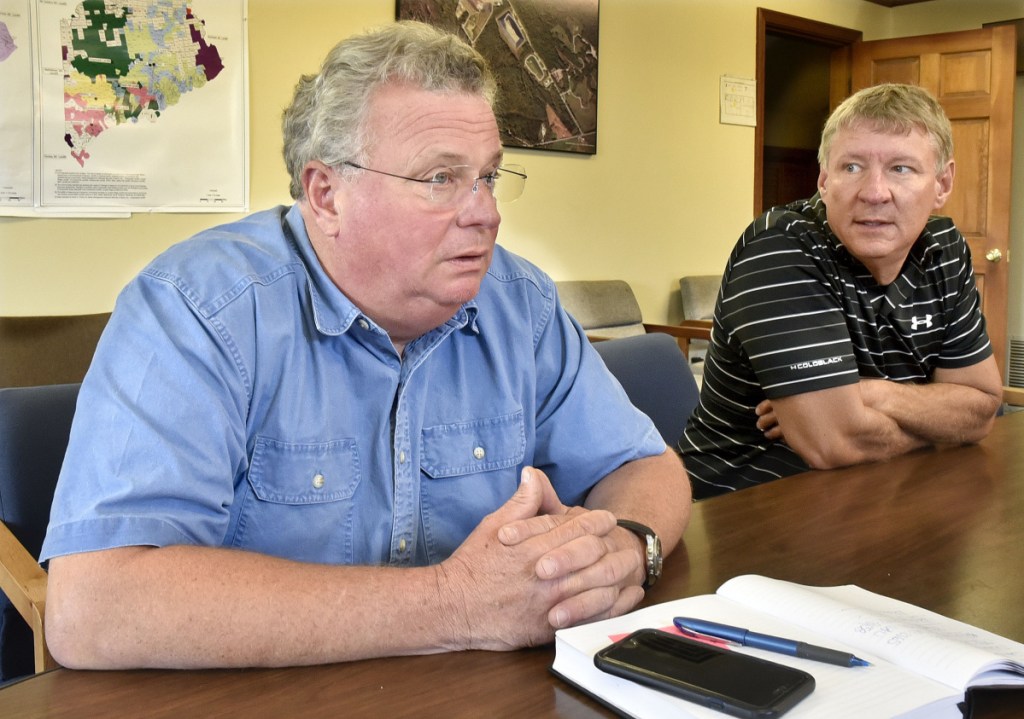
x: 816, y: 363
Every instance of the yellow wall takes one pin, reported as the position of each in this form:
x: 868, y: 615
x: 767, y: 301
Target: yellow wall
x: 667, y: 193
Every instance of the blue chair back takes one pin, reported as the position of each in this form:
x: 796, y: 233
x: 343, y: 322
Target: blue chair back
x: 657, y: 378
x: 34, y: 426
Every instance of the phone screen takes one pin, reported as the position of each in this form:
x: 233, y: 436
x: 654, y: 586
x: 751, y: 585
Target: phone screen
x: 729, y: 681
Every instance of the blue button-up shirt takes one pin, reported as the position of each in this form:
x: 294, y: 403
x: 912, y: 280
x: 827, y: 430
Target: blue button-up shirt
x: 238, y: 398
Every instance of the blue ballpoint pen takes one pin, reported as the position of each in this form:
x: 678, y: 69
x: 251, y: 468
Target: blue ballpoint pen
x: 769, y: 643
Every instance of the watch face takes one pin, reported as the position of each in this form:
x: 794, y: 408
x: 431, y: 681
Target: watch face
x: 654, y: 559
x: 654, y: 570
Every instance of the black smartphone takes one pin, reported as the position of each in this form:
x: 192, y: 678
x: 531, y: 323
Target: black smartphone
x: 734, y: 683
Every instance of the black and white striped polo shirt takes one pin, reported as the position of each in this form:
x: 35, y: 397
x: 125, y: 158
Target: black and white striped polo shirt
x: 797, y: 313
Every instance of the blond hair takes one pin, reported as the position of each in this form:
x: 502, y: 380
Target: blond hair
x: 892, y: 108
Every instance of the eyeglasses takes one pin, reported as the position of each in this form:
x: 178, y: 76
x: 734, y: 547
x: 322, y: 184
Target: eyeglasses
x: 451, y: 185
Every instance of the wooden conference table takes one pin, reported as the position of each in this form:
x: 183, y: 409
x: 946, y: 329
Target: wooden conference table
x: 943, y: 529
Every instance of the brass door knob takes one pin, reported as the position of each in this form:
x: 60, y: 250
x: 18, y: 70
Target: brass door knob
x: 994, y: 255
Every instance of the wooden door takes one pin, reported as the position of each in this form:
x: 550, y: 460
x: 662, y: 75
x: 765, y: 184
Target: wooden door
x: 971, y: 73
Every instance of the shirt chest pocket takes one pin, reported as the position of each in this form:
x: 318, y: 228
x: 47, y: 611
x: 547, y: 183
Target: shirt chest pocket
x: 480, y: 445
x: 304, y: 473
x: 299, y: 502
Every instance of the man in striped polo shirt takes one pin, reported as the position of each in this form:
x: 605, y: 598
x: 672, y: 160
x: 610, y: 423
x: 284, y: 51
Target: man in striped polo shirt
x: 848, y: 328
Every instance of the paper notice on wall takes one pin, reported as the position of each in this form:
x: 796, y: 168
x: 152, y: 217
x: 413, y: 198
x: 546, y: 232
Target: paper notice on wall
x: 738, y: 101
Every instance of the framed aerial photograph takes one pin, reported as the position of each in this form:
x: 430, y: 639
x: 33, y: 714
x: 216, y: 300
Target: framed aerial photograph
x: 544, y: 55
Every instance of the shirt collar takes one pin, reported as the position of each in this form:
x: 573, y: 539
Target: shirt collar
x: 333, y: 312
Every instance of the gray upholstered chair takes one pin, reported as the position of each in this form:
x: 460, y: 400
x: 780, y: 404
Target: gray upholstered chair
x: 608, y: 309
x: 698, y: 294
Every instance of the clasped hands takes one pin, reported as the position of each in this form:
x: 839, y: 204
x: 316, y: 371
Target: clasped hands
x: 536, y: 565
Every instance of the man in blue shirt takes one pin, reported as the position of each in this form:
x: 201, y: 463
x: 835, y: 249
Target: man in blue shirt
x: 355, y: 427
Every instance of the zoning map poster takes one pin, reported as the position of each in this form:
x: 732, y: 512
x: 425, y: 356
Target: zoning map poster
x: 138, y: 106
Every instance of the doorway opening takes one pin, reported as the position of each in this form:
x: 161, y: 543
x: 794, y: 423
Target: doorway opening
x: 796, y: 75
x: 802, y: 73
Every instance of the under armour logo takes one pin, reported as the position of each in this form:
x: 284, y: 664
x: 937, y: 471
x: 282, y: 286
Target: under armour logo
x: 916, y: 322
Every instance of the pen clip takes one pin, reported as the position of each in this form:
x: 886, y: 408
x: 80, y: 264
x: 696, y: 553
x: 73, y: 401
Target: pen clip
x: 707, y: 638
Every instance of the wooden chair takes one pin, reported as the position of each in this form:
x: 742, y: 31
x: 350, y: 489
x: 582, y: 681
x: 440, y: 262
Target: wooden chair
x: 608, y: 309
x: 34, y: 427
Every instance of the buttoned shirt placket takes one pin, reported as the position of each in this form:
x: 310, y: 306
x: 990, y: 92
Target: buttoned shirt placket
x: 405, y: 448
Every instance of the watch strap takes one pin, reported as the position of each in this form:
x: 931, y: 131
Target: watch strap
x: 652, y: 550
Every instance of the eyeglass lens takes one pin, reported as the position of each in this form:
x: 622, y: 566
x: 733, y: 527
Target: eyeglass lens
x: 506, y: 183
x: 452, y: 184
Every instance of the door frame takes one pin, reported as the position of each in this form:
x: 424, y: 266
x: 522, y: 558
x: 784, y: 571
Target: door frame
x: 834, y: 36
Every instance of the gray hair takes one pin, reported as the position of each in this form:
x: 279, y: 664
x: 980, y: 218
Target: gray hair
x: 326, y: 119
x: 896, y: 109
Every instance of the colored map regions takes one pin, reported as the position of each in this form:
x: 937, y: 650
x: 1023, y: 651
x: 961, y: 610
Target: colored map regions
x: 7, y: 46
x: 128, y: 60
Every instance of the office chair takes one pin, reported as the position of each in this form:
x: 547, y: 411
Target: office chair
x: 607, y: 309
x: 34, y: 427
x: 656, y: 377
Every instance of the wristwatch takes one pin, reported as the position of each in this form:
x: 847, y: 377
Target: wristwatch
x: 652, y: 549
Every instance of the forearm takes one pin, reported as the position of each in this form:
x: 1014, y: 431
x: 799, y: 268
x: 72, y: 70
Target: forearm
x: 937, y: 412
x: 654, y: 491
x: 877, y: 419
x: 834, y: 428
x: 189, y: 607
x: 870, y: 436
